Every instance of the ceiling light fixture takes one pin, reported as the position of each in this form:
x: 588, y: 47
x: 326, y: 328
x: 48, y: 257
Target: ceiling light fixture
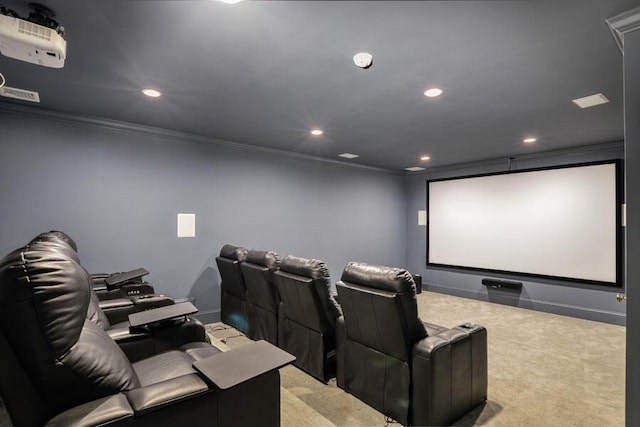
x: 363, y: 60
x: 529, y: 140
x: 316, y: 132
x: 425, y: 158
x: 152, y: 93
x: 348, y: 155
x: 433, y: 92
x: 590, y: 101
x: 230, y: 1
x: 414, y: 169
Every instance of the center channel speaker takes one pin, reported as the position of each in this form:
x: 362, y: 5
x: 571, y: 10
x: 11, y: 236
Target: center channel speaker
x: 499, y: 283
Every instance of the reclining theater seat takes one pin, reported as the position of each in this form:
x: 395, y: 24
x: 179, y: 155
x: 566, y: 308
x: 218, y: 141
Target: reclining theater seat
x: 262, y: 295
x: 307, y: 322
x: 415, y: 373
x: 116, y: 303
x: 145, y: 341
x: 133, y: 287
x: 233, y: 288
x: 55, y: 359
x: 61, y: 369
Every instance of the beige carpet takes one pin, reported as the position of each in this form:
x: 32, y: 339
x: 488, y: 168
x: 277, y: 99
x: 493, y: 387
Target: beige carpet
x: 544, y: 370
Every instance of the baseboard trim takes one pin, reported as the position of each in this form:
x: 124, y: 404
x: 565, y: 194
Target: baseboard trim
x: 515, y: 299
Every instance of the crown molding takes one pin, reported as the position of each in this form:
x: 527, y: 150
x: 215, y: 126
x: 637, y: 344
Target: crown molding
x: 624, y: 23
x: 43, y: 113
x: 505, y: 161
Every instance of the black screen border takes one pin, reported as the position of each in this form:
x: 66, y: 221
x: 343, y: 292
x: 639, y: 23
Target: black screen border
x: 619, y: 228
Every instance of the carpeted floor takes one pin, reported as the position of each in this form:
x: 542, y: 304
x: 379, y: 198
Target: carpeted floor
x: 544, y: 370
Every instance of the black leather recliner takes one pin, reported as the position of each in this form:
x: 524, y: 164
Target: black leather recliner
x: 143, y: 341
x: 61, y: 369
x: 233, y: 289
x: 308, y: 313
x: 415, y: 373
x: 262, y: 295
x: 132, y: 287
x: 117, y: 304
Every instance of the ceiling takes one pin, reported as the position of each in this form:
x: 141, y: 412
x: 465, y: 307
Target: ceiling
x: 265, y: 73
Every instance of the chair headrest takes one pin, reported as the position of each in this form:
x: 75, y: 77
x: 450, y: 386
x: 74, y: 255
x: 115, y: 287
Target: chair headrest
x: 234, y: 252
x: 312, y: 268
x: 58, y: 286
x: 55, y: 235
x: 379, y: 277
x: 268, y: 259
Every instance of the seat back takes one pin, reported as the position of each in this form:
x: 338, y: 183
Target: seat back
x: 233, y: 289
x: 258, y: 272
x: 57, y: 241
x: 229, y: 262
x: 380, y: 308
x: 67, y: 359
x: 304, y: 286
x: 262, y: 295
x: 308, y: 313
x: 382, y: 324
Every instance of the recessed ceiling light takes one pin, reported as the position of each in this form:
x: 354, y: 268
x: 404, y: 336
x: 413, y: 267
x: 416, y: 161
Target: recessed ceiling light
x: 425, y: 158
x: 230, y: 1
x: 529, y: 140
x: 590, y: 101
x: 316, y: 132
x: 348, y: 155
x: 151, y: 93
x: 414, y: 169
x: 433, y: 92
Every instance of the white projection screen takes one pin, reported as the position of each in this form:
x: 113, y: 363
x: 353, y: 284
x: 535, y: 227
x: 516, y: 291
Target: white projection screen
x: 562, y: 222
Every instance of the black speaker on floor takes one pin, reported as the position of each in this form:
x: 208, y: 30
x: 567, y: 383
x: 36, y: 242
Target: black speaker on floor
x: 418, y: 279
x: 499, y: 283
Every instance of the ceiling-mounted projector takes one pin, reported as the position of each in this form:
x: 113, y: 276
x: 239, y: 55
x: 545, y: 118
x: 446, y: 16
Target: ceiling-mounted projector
x: 37, y: 39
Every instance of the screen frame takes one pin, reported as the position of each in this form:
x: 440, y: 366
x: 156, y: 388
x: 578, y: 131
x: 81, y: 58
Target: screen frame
x: 619, y: 190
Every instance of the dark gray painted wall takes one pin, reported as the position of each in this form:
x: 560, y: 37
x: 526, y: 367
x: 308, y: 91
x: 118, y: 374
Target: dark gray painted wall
x: 117, y: 194
x: 632, y: 153
x: 586, y: 301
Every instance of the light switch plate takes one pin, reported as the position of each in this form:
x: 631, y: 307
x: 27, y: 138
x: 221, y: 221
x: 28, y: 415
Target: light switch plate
x: 186, y: 225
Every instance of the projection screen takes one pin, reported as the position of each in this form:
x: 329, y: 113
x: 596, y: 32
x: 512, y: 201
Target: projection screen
x: 562, y: 222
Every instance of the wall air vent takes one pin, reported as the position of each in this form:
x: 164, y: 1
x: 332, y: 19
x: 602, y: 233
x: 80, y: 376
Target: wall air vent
x: 21, y: 94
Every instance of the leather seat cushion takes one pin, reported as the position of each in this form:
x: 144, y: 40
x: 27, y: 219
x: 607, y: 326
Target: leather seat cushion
x: 163, y: 366
x: 199, y: 350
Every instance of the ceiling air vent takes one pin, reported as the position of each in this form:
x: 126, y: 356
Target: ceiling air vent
x: 24, y: 95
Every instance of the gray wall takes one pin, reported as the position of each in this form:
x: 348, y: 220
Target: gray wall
x: 632, y: 153
x: 117, y: 193
x: 575, y: 299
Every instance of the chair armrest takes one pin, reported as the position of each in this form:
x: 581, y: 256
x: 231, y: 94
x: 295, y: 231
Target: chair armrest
x: 160, y: 314
x: 341, y: 340
x: 431, y: 378
x: 164, y: 393
x: 97, y: 412
x: 120, y: 335
x: 117, y: 309
x: 149, y: 301
x: 448, y: 375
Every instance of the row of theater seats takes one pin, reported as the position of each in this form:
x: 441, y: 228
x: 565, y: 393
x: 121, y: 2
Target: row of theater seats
x: 64, y: 363
x: 372, y: 340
